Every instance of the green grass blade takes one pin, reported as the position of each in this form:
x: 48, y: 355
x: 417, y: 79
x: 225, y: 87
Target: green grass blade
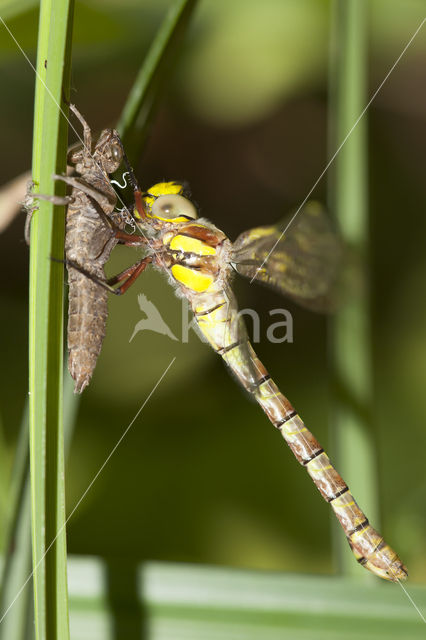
x: 17, y: 561
x: 15, y: 597
x: 136, y: 113
x: 5, y: 478
x: 15, y: 489
x: 17, y: 548
x: 46, y: 326
x: 350, y: 336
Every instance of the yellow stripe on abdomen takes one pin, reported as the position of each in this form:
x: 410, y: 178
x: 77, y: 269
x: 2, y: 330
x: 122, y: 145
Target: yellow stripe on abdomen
x: 192, y: 279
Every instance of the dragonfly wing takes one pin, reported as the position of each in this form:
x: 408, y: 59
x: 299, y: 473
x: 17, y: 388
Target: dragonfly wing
x: 300, y: 259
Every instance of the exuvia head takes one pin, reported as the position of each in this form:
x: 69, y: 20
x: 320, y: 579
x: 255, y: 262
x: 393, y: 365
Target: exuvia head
x: 112, y: 150
x: 165, y: 202
x: 108, y: 153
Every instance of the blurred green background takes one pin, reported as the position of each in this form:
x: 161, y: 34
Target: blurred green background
x: 202, y: 476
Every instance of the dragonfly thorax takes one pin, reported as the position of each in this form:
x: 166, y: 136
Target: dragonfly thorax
x: 195, y: 254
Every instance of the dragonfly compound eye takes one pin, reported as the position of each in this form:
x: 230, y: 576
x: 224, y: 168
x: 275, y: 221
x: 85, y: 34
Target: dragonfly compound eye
x: 169, y: 207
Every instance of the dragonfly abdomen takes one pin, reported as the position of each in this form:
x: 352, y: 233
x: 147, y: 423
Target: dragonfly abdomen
x: 367, y: 544
x: 217, y: 318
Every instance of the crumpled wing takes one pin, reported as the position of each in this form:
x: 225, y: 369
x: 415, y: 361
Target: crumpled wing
x: 302, y: 263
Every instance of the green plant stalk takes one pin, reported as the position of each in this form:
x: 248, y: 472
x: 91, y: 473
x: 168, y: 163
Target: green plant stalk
x: 46, y: 325
x: 135, y: 117
x: 17, y: 571
x: 17, y: 547
x: 17, y: 561
x: 350, y: 329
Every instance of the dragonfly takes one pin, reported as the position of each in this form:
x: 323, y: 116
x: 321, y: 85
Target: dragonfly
x: 200, y: 260
x: 88, y: 244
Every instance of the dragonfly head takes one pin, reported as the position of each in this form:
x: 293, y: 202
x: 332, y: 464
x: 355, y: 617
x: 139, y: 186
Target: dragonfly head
x: 165, y: 202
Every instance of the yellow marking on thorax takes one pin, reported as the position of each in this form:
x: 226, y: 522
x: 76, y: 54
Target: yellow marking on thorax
x: 192, y: 279
x: 191, y: 245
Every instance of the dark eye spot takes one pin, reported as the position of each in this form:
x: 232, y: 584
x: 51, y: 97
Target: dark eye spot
x: 116, y: 152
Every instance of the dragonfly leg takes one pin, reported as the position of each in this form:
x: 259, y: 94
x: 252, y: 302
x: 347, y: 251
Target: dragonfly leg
x: 129, y: 275
x: 31, y: 207
x: 56, y: 200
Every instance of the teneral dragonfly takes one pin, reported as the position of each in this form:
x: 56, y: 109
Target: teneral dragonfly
x: 199, y: 260
x: 88, y: 244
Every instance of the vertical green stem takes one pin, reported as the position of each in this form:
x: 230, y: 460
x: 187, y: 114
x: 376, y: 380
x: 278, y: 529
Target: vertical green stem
x: 17, y: 556
x: 136, y: 115
x: 350, y: 335
x: 46, y: 325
